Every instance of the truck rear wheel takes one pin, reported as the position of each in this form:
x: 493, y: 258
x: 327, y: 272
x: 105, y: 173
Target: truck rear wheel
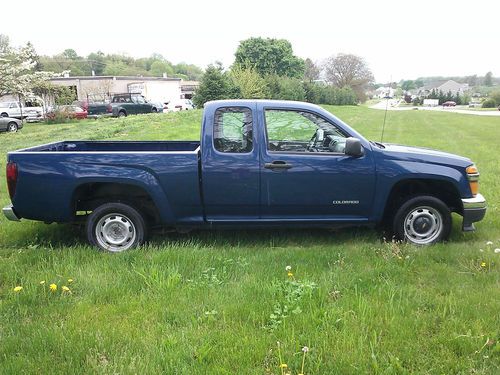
x: 115, y: 227
x: 422, y: 220
x: 122, y: 114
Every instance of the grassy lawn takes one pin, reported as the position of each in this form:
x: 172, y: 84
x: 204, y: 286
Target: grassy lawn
x: 218, y: 302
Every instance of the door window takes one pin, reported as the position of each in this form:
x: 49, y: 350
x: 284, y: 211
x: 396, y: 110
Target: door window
x: 300, y: 131
x: 233, y: 130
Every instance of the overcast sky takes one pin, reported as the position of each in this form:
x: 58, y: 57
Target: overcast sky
x: 398, y: 39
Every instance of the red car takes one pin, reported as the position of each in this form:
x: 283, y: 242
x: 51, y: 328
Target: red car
x: 449, y: 104
x: 68, y: 111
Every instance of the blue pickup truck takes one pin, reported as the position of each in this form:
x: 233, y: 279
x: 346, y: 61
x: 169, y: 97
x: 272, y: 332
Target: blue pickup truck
x: 258, y: 164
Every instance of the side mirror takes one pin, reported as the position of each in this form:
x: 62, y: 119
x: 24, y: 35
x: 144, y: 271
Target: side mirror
x: 353, y: 147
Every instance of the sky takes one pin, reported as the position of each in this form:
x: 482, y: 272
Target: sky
x: 398, y: 39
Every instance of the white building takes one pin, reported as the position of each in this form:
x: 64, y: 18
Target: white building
x: 98, y: 88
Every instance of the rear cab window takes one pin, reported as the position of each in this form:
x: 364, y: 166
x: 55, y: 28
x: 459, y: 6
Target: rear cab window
x: 233, y: 130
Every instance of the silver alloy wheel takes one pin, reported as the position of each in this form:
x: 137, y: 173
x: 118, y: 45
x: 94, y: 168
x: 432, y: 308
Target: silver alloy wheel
x: 115, y: 232
x: 12, y: 128
x: 423, y: 225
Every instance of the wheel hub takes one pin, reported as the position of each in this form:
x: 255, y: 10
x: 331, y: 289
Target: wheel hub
x: 115, y: 232
x: 423, y: 225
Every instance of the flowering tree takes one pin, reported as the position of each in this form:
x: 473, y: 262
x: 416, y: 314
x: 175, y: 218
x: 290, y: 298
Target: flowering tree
x: 17, y: 70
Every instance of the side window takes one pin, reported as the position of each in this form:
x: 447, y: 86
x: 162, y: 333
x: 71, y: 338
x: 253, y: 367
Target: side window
x: 298, y: 131
x: 233, y: 130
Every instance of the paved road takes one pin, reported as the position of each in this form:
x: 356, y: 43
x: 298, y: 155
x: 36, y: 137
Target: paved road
x: 393, y: 105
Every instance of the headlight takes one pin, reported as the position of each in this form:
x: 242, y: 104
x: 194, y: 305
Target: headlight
x: 473, y: 175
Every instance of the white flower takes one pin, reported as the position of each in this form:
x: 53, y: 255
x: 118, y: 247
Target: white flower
x: 305, y: 349
x: 288, y: 268
x: 497, y: 251
x: 481, y: 250
x: 489, y: 243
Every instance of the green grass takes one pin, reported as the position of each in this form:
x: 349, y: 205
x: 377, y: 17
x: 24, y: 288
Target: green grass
x: 212, y: 302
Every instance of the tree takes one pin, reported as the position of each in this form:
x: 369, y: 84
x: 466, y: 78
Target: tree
x: 159, y: 67
x: 17, y: 75
x: 250, y: 84
x: 311, y: 72
x: 97, y: 62
x: 269, y: 56
x: 215, y: 85
x: 347, y: 70
x: 488, y: 79
x: 408, y: 85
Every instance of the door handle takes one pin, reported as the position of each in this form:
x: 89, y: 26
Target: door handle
x: 278, y: 164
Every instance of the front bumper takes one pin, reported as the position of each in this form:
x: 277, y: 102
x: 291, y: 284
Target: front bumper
x: 474, y: 210
x: 10, y: 213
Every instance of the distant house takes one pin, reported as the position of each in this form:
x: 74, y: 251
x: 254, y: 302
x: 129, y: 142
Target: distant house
x: 384, y: 92
x: 444, y: 86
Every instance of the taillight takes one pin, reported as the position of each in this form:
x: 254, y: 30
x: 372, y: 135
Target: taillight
x: 473, y: 175
x: 11, y: 178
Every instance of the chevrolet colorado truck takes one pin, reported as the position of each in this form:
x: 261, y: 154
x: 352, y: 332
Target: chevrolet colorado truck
x: 259, y: 163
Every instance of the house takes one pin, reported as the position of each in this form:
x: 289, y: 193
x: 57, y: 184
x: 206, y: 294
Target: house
x: 384, y: 92
x: 445, y: 87
x: 100, y: 88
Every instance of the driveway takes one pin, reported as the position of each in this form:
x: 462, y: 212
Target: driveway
x: 393, y: 105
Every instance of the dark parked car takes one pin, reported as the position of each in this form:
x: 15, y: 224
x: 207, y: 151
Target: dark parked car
x: 123, y: 105
x: 9, y: 124
x: 449, y: 103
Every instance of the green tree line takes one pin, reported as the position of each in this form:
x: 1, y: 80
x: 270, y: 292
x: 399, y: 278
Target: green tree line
x: 100, y: 64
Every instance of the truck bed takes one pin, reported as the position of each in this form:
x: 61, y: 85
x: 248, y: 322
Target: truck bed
x: 114, y: 146
x: 49, y: 176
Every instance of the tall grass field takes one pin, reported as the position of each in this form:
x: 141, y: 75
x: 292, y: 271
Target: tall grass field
x: 219, y: 302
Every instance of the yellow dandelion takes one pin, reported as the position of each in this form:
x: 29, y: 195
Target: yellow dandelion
x: 18, y: 288
x: 290, y: 274
x: 284, y: 365
x: 65, y: 289
x: 53, y: 287
x: 42, y: 282
x: 483, y: 264
x: 70, y: 281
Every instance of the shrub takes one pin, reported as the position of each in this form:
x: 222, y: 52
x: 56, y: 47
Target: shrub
x: 489, y: 103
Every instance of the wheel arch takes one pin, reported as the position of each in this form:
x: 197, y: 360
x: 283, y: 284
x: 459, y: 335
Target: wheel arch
x: 445, y: 190
x: 89, y: 195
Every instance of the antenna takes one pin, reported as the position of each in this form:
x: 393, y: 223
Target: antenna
x: 385, y: 114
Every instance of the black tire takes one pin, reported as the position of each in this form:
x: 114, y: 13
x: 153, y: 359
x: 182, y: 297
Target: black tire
x: 422, y: 220
x: 4, y: 114
x: 115, y: 227
x: 12, y: 127
x: 122, y: 114
x: 154, y: 110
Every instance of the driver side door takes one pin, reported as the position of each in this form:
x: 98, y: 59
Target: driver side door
x: 304, y: 178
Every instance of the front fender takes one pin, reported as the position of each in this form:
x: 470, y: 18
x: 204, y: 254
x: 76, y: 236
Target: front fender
x: 390, y: 173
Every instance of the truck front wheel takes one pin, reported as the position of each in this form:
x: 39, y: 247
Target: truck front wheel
x: 422, y: 220
x: 115, y: 227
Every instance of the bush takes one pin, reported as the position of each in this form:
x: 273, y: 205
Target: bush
x: 284, y: 88
x: 489, y: 103
x: 324, y: 94
x: 495, y: 95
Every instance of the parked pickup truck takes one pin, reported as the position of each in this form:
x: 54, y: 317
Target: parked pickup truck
x: 259, y: 163
x: 15, y: 110
x: 123, y: 105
